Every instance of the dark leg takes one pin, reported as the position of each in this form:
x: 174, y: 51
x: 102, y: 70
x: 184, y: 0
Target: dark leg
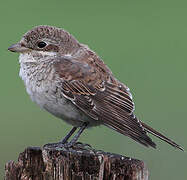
x: 76, y: 137
x: 64, y: 140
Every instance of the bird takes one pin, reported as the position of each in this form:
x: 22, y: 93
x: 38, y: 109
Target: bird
x: 70, y: 81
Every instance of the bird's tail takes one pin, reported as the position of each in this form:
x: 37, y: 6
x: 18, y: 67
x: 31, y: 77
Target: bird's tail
x: 161, y: 136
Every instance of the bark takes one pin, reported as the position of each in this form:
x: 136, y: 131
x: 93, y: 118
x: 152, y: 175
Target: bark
x: 77, y: 163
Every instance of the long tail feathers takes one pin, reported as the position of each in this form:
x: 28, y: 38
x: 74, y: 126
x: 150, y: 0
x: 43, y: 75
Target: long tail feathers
x: 160, y: 136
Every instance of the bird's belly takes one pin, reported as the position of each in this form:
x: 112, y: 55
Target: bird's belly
x: 61, y: 107
x: 49, y: 96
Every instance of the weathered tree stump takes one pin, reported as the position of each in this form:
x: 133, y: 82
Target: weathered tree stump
x: 77, y: 163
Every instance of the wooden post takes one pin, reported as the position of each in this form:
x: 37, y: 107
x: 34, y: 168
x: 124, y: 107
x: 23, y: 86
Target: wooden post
x: 77, y: 163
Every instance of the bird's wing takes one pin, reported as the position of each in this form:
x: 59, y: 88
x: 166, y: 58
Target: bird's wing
x: 94, y: 90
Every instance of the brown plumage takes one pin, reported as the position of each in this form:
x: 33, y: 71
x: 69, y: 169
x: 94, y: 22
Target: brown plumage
x: 101, y: 96
x: 83, y: 80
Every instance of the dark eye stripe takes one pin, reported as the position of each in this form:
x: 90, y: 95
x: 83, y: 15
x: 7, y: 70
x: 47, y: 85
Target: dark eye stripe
x: 41, y: 44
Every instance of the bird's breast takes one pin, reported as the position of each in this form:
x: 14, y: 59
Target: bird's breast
x: 44, y: 90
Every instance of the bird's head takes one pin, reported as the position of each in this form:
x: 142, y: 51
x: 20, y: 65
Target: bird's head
x: 46, y: 41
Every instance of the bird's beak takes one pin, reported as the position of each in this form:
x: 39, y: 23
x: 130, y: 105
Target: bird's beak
x: 18, y: 47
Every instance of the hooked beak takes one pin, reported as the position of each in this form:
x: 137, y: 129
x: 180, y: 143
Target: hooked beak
x: 18, y: 47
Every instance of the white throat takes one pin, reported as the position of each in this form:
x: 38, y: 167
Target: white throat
x: 35, y: 56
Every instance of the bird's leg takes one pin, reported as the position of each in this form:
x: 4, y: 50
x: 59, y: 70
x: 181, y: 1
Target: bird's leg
x: 64, y: 143
x: 76, y: 137
x: 64, y: 140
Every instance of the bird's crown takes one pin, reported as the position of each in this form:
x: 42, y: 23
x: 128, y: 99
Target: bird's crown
x: 49, y: 36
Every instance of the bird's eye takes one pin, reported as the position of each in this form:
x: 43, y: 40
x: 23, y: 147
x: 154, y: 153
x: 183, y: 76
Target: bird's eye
x: 41, y: 44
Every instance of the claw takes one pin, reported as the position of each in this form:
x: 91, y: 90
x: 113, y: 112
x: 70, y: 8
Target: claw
x: 53, y: 145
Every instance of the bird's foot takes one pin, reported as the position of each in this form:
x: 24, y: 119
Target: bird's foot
x: 83, y: 146
x: 67, y: 145
x: 59, y: 145
x: 53, y: 145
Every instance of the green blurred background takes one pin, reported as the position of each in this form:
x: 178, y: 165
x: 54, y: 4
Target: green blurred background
x: 143, y: 42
